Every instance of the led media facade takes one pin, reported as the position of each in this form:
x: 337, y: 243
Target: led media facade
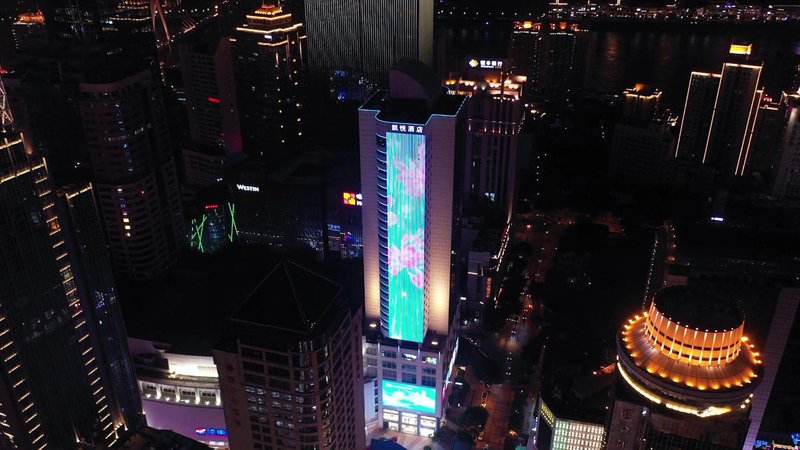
x: 405, y: 216
x: 409, y: 396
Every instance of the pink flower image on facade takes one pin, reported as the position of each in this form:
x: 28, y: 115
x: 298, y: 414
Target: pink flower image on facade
x: 412, y: 176
x: 410, y: 256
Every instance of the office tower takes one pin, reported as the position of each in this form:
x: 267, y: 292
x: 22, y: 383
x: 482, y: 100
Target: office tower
x: 696, y: 118
x: 686, y: 362
x: 640, y: 102
x: 290, y: 367
x: 353, y: 39
x: 642, y: 140
x: 767, y: 136
x: 551, y: 55
x: 733, y: 113
x: 87, y: 249
x: 71, y: 20
x: 27, y: 28
x: 216, y: 138
x: 408, y: 134
x: 734, y: 117
x: 494, y: 115
x: 269, y: 56
x: 787, y: 177
x: 125, y: 129
x: 57, y: 388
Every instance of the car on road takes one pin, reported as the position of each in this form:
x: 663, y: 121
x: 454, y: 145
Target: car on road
x: 484, y: 397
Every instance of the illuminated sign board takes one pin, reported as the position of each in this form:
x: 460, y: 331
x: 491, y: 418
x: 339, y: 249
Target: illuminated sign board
x: 407, y: 128
x: 248, y: 188
x: 485, y: 63
x: 409, y: 396
x: 203, y: 431
x: 352, y: 199
x: 405, y: 156
x: 739, y: 49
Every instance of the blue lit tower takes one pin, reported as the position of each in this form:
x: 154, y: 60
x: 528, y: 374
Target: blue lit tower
x: 412, y: 139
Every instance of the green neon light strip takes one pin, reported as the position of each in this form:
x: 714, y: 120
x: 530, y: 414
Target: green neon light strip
x: 234, y: 229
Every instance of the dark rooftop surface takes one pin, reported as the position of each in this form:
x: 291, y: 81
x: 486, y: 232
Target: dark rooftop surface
x: 291, y: 298
x: 189, y: 307
x: 775, y: 250
x: 698, y: 309
x: 410, y: 110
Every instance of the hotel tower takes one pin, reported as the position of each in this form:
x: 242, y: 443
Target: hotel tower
x: 412, y: 139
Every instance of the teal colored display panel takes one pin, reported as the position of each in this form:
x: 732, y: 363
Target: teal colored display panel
x: 405, y: 156
x: 409, y: 396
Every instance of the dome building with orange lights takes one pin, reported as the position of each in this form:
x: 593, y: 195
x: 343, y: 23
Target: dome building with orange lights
x: 687, y: 373
x: 688, y: 352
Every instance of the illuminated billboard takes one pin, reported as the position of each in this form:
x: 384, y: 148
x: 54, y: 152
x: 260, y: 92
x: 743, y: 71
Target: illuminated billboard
x: 405, y: 156
x: 352, y: 199
x: 409, y: 396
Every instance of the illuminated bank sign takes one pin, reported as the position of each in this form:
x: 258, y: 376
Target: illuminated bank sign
x: 247, y: 188
x: 408, y: 396
x: 407, y: 128
x: 405, y: 216
x: 485, y: 63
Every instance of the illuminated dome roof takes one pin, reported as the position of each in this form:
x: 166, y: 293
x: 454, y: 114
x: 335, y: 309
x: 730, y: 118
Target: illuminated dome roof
x: 689, y: 352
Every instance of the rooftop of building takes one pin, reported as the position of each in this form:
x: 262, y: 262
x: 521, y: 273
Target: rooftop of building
x: 699, y: 309
x: 152, y: 439
x: 290, y: 299
x: 415, y: 94
x: 188, y: 308
x: 767, y: 252
x: 433, y: 342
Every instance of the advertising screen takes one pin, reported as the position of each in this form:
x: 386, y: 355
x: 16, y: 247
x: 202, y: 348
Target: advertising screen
x: 405, y: 154
x: 409, y: 396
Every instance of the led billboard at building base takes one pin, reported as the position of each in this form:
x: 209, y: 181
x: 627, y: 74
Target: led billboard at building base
x: 405, y: 156
x: 408, y: 396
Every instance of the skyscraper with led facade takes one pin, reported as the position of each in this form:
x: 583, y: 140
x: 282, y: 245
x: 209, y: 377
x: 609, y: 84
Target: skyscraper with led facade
x: 412, y: 142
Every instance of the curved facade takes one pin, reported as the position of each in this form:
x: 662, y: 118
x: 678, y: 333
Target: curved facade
x: 689, y: 353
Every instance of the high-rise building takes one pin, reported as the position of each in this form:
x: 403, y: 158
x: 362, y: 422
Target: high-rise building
x: 694, y: 371
x: 696, y: 118
x: 69, y: 20
x: 733, y: 113
x: 87, y: 249
x: 494, y: 112
x: 551, y: 55
x: 642, y: 140
x: 65, y: 381
x: 214, y: 131
x: 787, y: 177
x: 27, y: 28
x: 269, y: 58
x: 125, y: 129
x: 290, y: 369
x: 412, y: 145
x: 353, y: 39
x: 767, y: 135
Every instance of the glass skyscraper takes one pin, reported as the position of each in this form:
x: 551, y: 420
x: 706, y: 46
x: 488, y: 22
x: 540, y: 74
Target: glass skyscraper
x: 59, y: 345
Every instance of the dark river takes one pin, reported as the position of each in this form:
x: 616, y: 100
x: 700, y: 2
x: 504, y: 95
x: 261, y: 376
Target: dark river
x: 664, y: 58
